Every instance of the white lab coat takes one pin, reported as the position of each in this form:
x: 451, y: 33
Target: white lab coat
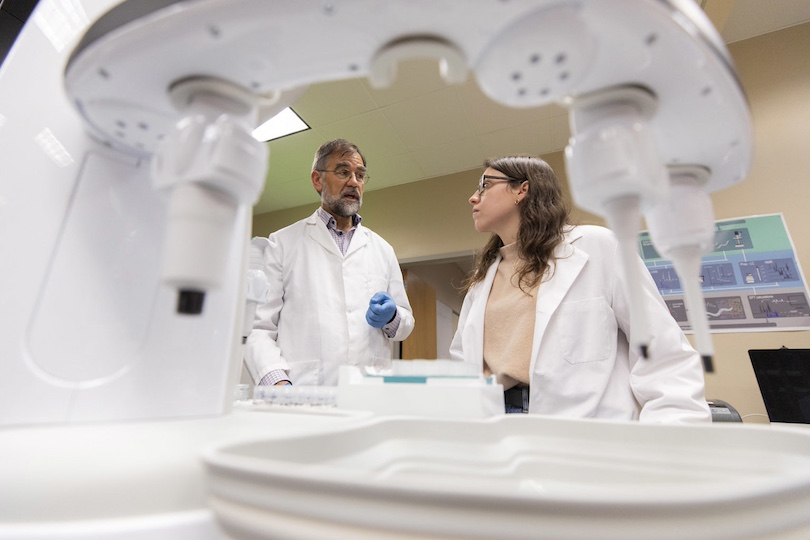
x: 581, y: 365
x: 315, y: 319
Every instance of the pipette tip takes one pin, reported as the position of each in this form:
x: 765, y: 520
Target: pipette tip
x: 708, y: 363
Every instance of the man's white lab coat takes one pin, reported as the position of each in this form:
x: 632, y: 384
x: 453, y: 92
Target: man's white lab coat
x: 315, y: 319
x: 581, y: 365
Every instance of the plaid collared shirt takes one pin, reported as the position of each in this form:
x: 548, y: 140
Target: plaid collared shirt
x: 342, y: 239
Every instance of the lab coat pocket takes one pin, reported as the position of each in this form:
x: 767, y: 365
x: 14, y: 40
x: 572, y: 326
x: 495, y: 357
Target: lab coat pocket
x: 375, y: 284
x: 305, y: 373
x: 586, y: 331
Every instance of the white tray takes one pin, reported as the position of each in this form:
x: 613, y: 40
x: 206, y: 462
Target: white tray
x: 516, y: 477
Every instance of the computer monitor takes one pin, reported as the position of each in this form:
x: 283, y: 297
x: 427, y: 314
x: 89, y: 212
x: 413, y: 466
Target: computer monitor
x: 783, y: 376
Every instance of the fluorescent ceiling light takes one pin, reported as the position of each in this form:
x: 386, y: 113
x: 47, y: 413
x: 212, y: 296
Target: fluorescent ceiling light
x: 53, y: 148
x: 284, y: 123
x: 61, y: 21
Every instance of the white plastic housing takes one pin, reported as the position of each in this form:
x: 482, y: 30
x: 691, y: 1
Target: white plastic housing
x: 612, y: 153
x: 197, y: 234
x: 541, y: 56
x: 533, y: 476
x: 211, y: 165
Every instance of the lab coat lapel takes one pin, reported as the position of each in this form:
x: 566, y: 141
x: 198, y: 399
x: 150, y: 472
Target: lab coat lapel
x: 569, y: 262
x: 478, y: 313
x: 359, y: 240
x: 316, y: 229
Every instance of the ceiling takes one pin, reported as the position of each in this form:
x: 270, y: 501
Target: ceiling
x: 421, y: 127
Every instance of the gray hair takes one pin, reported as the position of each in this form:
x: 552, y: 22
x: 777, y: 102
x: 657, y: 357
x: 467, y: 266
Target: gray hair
x: 338, y: 147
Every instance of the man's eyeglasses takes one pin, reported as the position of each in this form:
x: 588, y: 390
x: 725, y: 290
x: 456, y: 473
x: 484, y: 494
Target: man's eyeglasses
x: 344, y: 174
x: 487, y: 180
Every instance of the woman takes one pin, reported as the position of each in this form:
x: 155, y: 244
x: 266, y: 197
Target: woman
x: 546, y: 313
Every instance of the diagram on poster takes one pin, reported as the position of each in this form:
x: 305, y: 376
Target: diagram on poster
x: 752, y: 280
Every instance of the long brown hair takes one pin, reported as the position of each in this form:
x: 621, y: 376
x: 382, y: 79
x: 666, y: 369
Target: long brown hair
x: 544, y: 218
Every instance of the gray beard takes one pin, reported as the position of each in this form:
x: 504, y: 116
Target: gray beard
x: 339, y: 206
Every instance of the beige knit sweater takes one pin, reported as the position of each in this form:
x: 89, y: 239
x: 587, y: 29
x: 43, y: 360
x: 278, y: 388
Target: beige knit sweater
x: 509, y: 324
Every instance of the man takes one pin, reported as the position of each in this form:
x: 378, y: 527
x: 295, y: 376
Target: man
x: 336, y: 290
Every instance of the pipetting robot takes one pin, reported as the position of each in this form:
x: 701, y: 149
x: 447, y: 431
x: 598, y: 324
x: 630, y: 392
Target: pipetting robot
x: 129, y: 171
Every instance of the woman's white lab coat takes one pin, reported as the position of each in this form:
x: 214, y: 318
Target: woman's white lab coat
x: 315, y: 319
x: 581, y: 365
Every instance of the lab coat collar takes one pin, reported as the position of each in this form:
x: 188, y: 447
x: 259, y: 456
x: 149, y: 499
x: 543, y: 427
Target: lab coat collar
x: 359, y: 239
x: 568, y: 263
x: 317, y: 230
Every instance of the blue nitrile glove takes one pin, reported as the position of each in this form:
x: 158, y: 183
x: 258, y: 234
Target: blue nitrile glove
x: 381, y: 310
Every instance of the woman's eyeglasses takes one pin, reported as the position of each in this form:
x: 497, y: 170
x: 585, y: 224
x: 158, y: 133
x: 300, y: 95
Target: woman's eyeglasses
x: 487, y: 180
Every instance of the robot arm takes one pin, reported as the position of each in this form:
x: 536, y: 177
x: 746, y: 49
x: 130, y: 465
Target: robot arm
x: 638, y: 76
x: 170, y: 91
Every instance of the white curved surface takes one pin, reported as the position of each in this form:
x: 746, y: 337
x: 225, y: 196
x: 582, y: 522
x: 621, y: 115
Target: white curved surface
x: 137, y: 480
x: 524, y: 54
x: 521, y: 477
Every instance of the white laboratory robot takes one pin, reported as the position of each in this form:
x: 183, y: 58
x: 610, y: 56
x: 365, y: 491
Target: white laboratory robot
x: 128, y: 175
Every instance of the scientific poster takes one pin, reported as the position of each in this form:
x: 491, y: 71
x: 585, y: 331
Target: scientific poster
x: 752, y: 280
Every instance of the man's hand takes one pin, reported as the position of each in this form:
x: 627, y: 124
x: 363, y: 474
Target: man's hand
x: 381, y: 310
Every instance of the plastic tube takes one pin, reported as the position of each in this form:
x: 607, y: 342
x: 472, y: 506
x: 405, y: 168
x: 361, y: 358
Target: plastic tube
x: 623, y: 216
x: 682, y: 230
x: 257, y: 287
x: 687, y: 264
